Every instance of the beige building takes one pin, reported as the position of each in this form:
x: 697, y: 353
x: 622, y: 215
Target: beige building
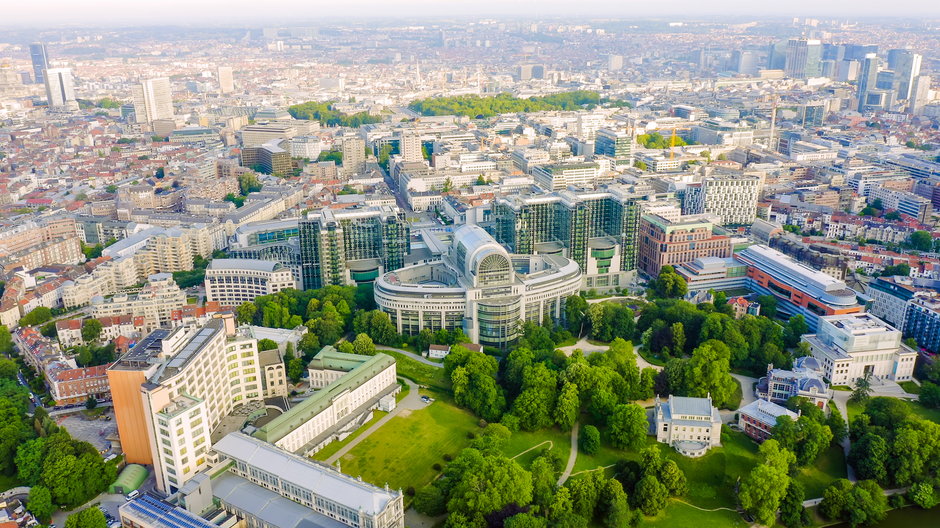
x: 254, y: 135
x: 690, y: 425
x: 231, y: 282
x: 155, y: 302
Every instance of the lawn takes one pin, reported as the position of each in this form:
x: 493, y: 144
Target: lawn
x: 418, y: 372
x: 651, y: 358
x: 910, y: 387
x: 829, y: 467
x: 521, y: 441
x: 680, y: 514
x: 402, y: 453
x: 916, y: 408
x: 737, y: 395
x: 333, y: 447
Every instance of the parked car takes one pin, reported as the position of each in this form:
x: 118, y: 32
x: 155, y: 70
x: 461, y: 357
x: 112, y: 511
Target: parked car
x: 132, y: 495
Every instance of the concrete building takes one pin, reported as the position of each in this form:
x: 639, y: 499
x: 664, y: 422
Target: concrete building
x: 732, y: 198
x: 40, y: 60
x: 60, y: 92
x: 70, y: 384
x: 690, y: 425
x: 798, y: 288
x: 155, y: 302
x: 758, y: 418
x: 672, y: 243
x: 231, y: 282
x: 922, y: 322
x: 350, y: 388
x: 559, y: 176
x: 174, y: 388
x: 255, y: 135
x: 409, y: 146
x: 153, y: 100
x: 337, y: 500
x: 614, y: 144
x: 269, y: 158
x: 853, y: 346
x: 226, y: 81
x: 351, y: 246
x: 479, y: 287
x: 354, y: 156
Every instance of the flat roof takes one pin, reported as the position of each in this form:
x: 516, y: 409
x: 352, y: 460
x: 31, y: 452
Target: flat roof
x: 267, y: 505
x: 242, y: 264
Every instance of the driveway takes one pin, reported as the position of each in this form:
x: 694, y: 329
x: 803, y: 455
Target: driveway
x: 417, y: 357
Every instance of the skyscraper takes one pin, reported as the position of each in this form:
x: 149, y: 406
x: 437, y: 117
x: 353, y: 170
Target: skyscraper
x: 919, y: 94
x: 59, y: 90
x: 37, y: 52
x: 906, y: 69
x: 867, y: 78
x: 803, y: 58
x: 409, y: 145
x: 153, y: 100
x: 226, y: 81
x: 354, y: 156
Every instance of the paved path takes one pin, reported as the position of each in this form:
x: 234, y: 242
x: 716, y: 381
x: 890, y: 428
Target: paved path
x: 412, y: 355
x: 584, y: 346
x: 572, y: 456
x: 841, y: 398
x: 412, y: 401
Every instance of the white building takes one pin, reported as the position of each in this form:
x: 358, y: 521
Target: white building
x: 155, y: 302
x: 153, y: 100
x: 690, y: 425
x: 733, y: 198
x: 231, y: 282
x: 226, y: 81
x: 853, y: 346
x: 59, y: 89
x: 479, y: 287
x: 560, y: 176
x: 351, y: 387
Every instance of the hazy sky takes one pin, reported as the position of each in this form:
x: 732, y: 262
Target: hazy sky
x: 186, y: 12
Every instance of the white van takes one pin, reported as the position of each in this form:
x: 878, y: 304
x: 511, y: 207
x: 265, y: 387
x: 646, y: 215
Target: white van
x: 132, y: 495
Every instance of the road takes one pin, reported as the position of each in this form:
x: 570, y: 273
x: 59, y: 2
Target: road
x: 417, y: 357
x: 572, y: 455
x: 411, y: 402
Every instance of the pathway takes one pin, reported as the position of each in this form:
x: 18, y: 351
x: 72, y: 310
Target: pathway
x: 412, y: 401
x: 841, y: 398
x: 572, y: 456
x: 747, y: 396
x: 584, y: 346
x: 417, y: 357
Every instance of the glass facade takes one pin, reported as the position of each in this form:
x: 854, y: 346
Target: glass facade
x: 498, y: 321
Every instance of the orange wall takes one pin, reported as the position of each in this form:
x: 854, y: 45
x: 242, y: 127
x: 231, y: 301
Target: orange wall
x: 796, y: 296
x: 130, y: 416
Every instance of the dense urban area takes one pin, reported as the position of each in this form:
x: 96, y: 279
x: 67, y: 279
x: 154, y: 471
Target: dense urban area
x: 476, y: 272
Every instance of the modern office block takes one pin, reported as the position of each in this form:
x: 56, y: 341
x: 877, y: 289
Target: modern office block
x: 37, y: 53
x: 351, y: 246
x: 732, y: 198
x: 231, y: 282
x: 614, y: 144
x: 269, y: 158
x: 60, y: 92
x: 479, y: 287
x: 867, y: 79
x: 803, y: 58
x: 226, y: 81
x: 153, y: 100
x: 672, y: 243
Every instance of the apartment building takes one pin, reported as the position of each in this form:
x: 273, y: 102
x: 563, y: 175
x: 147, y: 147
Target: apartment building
x: 178, y: 386
x: 270, y: 157
x: 672, y: 243
x: 922, y: 322
x: 351, y: 387
x: 732, y: 197
x: 155, y: 302
x: 106, y: 278
x: 856, y: 345
x: 57, y: 251
x: 231, y: 282
x: 69, y: 384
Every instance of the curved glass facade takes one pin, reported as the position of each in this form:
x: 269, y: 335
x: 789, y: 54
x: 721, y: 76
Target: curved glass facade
x: 498, y: 321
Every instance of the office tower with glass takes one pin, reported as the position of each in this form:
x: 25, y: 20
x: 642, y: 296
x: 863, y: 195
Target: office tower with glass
x: 59, y: 89
x: 351, y: 246
x: 37, y: 52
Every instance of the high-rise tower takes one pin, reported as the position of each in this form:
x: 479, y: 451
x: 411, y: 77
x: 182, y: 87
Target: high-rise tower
x: 37, y: 52
x: 59, y: 90
x: 153, y: 100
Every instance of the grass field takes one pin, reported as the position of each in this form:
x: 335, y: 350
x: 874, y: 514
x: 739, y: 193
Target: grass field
x: 653, y: 359
x: 916, y: 408
x: 521, y: 441
x: 680, y: 514
x: 829, y: 467
x: 333, y: 447
x: 910, y: 387
x: 404, y: 450
x: 418, y: 372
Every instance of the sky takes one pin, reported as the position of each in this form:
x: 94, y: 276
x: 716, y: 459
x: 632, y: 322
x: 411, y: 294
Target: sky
x: 188, y: 12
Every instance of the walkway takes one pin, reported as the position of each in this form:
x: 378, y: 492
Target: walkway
x: 584, y: 346
x: 841, y: 398
x: 412, y: 401
x: 417, y: 357
x: 572, y: 456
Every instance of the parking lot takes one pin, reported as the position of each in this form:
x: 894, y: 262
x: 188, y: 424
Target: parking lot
x: 92, y: 430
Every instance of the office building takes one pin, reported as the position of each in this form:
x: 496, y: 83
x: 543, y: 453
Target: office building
x: 690, y: 425
x: 920, y: 95
x: 349, y: 388
x: 672, y: 243
x: 260, y: 470
x: 354, y: 156
x: 59, y: 90
x: 255, y: 135
x: 758, y: 418
x: 858, y: 345
x: 806, y: 379
x: 559, y: 176
x: 226, y: 81
x: 153, y: 100
x: 614, y: 62
x: 903, y: 202
x: 479, y: 287
x: 713, y: 273
x: 231, y: 282
x: 891, y: 296
x: 922, y: 322
x: 596, y: 229
x: 803, y: 58
x: 37, y: 53
x: 733, y: 198
x: 174, y: 388
x: 798, y: 288
x: 155, y: 302
x: 614, y: 144
x: 351, y: 246
x: 268, y: 158
x: 906, y: 69
x: 867, y: 80
x: 409, y: 146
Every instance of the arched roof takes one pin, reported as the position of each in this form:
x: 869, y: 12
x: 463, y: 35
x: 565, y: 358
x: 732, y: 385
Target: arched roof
x: 472, y: 244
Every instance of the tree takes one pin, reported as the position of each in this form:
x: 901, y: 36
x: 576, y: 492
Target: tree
x: 6, y: 341
x: 91, y: 517
x: 589, y: 440
x: 628, y: 426
x: 245, y: 313
x: 8, y: 369
x: 567, y: 406
x: 650, y: 495
x: 673, y: 478
x: 363, y: 345
x: 863, y: 390
x: 768, y: 305
x: 922, y: 494
x: 575, y: 310
x: 836, y: 424
x: 762, y: 491
x: 708, y: 373
x: 869, y: 457
x: 40, y: 503
x: 488, y: 486
x: 295, y: 369
x: 430, y: 501
x: 91, y: 330
x: 795, y: 329
x: 36, y: 316
x: 835, y: 500
x: 91, y: 403
x: 792, y: 512
x: 524, y: 520
x: 267, y: 344
x: 921, y: 240
x: 669, y: 285
x: 544, y: 478
x: 930, y: 394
